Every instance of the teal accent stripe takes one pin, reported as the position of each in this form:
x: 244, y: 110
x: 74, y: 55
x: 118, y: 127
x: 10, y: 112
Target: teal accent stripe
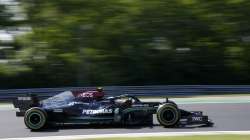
x: 137, y: 109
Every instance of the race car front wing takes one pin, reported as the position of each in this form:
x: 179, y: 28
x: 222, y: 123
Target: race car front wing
x: 194, y: 118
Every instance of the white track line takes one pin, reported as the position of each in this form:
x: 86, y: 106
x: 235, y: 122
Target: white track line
x: 4, y: 107
x: 133, y: 135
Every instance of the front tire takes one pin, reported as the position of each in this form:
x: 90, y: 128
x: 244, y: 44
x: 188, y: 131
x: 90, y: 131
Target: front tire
x: 168, y: 115
x: 35, y: 118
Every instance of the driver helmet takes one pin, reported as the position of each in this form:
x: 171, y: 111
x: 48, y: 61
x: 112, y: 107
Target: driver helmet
x: 99, y: 89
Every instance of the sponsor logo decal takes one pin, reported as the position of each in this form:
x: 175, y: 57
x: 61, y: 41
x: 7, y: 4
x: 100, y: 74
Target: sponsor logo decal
x: 99, y: 111
x: 196, y: 118
x: 58, y: 110
x: 24, y: 98
x: 140, y: 105
x: 86, y: 95
x: 117, y: 111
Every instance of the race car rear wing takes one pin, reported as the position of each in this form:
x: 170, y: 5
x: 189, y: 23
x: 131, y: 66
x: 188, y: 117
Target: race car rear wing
x: 24, y: 103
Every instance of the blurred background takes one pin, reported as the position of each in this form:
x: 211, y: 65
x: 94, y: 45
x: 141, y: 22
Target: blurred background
x: 57, y: 43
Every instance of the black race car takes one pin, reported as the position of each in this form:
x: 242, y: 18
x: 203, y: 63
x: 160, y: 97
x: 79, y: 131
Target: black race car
x: 89, y: 107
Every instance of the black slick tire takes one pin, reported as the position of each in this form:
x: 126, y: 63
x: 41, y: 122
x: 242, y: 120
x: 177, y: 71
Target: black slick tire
x: 168, y: 115
x: 35, y: 118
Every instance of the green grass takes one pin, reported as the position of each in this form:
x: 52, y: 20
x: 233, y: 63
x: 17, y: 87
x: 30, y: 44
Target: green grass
x: 212, y: 137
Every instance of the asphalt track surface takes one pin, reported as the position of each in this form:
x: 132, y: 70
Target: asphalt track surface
x: 226, y: 116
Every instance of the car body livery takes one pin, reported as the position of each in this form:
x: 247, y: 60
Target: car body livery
x: 89, y: 107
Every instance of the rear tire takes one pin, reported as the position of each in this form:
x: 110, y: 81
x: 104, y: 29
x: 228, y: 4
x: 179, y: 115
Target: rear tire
x: 168, y: 115
x: 35, y: 118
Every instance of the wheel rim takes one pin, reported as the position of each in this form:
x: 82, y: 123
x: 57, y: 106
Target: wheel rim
x: 35, y: 118
x: 168, y: 115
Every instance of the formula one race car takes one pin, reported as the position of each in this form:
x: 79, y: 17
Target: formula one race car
x: 90, y: 107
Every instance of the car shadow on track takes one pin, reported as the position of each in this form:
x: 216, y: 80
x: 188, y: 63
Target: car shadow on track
x: 56, y: 128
